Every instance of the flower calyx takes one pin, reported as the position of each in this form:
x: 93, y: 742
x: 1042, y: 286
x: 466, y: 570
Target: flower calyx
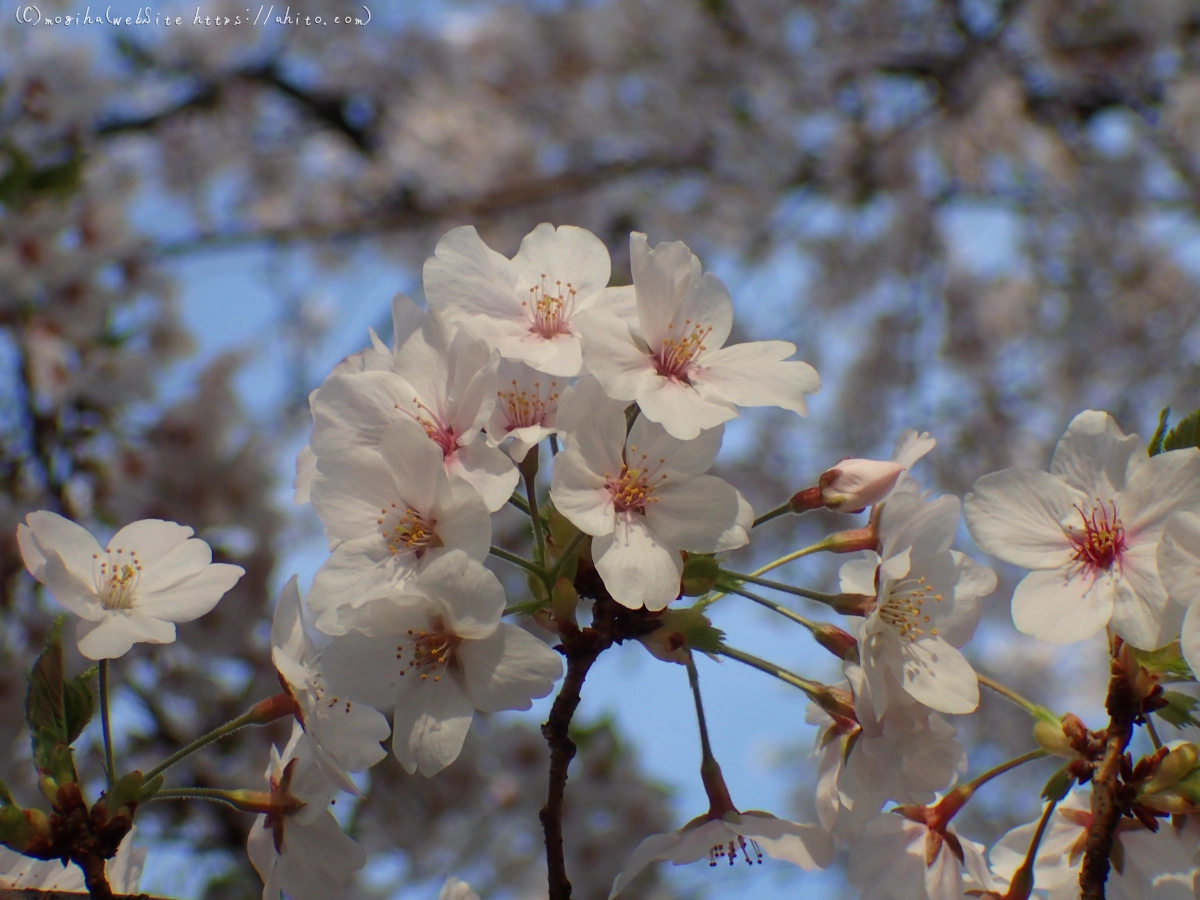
x: 681, y: 631
x: 937, y: 819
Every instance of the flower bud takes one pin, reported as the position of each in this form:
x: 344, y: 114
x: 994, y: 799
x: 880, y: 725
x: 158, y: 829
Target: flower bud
x: 564, y: 600
x: 1175, y: 766
x: 1052, y: 737
x: 854, y: 484
x: 836, y: 640
x: 699, y: 574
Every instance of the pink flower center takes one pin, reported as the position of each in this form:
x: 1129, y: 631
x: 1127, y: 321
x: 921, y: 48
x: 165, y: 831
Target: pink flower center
x: 729, y: 850
x: 429, y: 652
x: 631, y: 490
x: 407, y: 530
x: 677, y: 354
x: 1101, y: 540
x: 523, y: 408
x: 440, y: 433
x: 549, y: 309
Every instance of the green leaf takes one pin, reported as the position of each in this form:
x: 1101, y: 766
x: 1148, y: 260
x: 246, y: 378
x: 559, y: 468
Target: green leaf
x: 79, y: 703
x: 1179, y: 709
x: 1184, y: 435
x: 1155, y: 446
x: 44, y: 707
x: 1166, y: 662
x: 1058, y: 785
x: 56, y: 710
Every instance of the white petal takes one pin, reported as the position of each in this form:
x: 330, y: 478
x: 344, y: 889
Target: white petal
x: 153, y: 539
x: 467, y: 276
x: 1142, y: 613
x: 1059, y: 607
x: 73, y: 543
x: 636, y: 567
x: 701, y: 515
x: 568, y: 254
x: 858, y: 575
x: 318, y: 859
x: 611, y: 353
x: 756, y: 374
x: 75, y: 595
x: 939, y: 676
x: 1189, y: 637
x: 357, y: 572
x: 186, y: 560
x: 352, y: 410
x: 679, y: 458
x: 414, y: 463
x: 430, y: 726
x: 366, y: 668
x: 581, y: 495
x: 488, y: 470
x: 1157, y: 487
x: 681, y: 410
x: 471, y: 594
x: 652, y: 849
x: 112, y: 636
x: 508, y: 669
x: 407, y: 317
x: 593, y: 425
x: 1017, y: 515
x: 911, y: 446
x: 1093, y: 454
x: 1179, y: 558
x: 351, y: 733
x: 192, y: 598
x: 287, y: 626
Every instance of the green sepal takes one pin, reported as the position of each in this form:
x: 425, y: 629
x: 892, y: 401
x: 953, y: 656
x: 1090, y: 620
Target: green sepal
x: 16, y: 831
x: 150, y: 788
x: 700, y: 571
x: 1184, y: 435
x: 128, y: 789
x: 1179, y: 709
x: 1165, y: 662
x: 1155, y: 446
x: 1058, y: 785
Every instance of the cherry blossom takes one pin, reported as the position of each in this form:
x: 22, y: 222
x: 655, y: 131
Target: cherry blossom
x: 149, y: 576
x: 525, y: 307
x: 1179, y: 568
x: 299, y: 848
x: 388, y: 514
x: 1089, y: 531
x: 1149, y: 864
x: 898, y: 856
x: 434, y: 651
x: 926, y: 607
x: 907, y: 756
x: 747, y: 835
x: 526, y: 410
x: 345, y: 737
x: 673, y: 363
x: 443, y: 379
x: 406, y: 318
x: 643, y: 498
x: 123, y: 871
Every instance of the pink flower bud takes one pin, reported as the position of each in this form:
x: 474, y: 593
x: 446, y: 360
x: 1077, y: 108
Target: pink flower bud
x: 855, y: 484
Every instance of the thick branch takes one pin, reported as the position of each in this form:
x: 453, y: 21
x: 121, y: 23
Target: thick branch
x: 38, y: 894
x: 1123, y: 707
x: 562, y: 751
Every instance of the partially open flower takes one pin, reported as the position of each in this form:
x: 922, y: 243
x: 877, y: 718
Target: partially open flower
x: 854, y: 484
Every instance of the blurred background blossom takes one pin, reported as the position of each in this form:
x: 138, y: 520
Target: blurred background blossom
x: 974, y: 217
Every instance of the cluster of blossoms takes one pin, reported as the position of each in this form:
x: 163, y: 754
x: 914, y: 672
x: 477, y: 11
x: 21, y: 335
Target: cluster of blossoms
x: 416, y: 445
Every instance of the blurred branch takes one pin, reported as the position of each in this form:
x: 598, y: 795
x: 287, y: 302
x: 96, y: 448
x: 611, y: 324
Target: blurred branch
x: 409, y: 214
x: 39, y: 894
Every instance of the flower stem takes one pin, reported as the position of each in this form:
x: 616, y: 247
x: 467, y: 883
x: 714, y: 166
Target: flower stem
x: 519, y: 502
x: 110, y: 766
x: 1021, y: 884
x: 773, y: 514
x: 777, y: 607
x: 1034, y: 709
x: 694, y: 680
x: 194, y: 793
x: 572, y: 544
x: 811, y: 688
x: 529, y: 469
x: 719, y: 801
x: 1153, y: 732
x: 956, y: 799
x: 518, y: 561
x: 850, y: 604
x: 797, y: 554
x: 261, y: 713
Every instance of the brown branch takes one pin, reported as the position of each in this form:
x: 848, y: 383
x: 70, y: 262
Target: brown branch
x: 1124, y: 706
x: 611, y: 624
